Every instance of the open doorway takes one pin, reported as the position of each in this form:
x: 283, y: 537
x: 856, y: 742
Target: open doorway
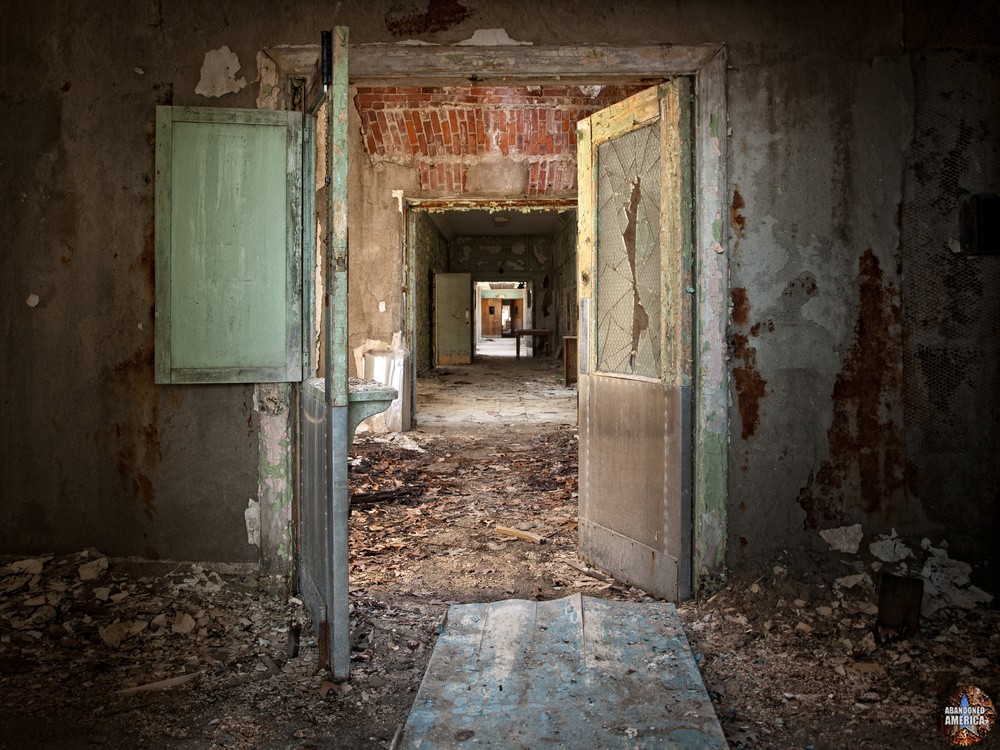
x: 519, y: 259
x: 502, y: 308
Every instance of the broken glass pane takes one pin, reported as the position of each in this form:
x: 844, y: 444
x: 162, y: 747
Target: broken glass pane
x: 628, y: 254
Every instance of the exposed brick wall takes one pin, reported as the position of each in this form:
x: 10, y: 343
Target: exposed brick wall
x: 444, y: 130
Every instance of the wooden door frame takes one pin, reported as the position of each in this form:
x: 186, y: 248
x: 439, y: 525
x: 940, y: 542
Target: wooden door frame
x: 384, y: 65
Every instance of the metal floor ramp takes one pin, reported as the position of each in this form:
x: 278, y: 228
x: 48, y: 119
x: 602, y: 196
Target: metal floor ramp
x: 577, y: 672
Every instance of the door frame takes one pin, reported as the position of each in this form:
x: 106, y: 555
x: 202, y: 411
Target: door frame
x: 383, y: 65
x: 410, y: 206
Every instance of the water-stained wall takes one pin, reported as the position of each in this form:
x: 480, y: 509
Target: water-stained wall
x: 854, y: 129
x: 818, y: 150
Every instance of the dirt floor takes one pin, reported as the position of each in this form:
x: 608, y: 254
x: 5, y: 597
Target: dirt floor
x: 119, y: 654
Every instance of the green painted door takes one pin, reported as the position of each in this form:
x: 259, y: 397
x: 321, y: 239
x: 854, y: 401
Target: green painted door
x: 453, y: 318
x: 635, y: 340
x: 228, y: 246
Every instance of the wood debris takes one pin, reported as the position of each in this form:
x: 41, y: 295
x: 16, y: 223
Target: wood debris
x: 170, y: 682
x: 527, y: 536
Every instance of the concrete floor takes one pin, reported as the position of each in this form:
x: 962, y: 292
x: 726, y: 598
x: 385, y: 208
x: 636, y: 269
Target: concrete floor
x: 496, y: 390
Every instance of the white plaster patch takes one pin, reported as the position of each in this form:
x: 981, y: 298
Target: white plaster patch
x: 591, y: 91
x: 218, y: 73
x: 252, y: 516
x: 33, y: 300
x: 490, y: 38
x: 273, y: 429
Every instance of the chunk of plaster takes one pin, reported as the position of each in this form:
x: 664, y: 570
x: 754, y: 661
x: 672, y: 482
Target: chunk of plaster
x: 33, y: 300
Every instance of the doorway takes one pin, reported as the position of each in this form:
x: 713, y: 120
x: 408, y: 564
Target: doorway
x: 520, y: 258
x: 502, y: 308
x: 589, y: 70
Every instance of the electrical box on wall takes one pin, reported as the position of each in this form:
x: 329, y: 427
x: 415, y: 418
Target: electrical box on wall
x: 980, y: 225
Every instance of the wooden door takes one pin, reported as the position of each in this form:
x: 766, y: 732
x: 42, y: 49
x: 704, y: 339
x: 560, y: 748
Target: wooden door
x: 635, y: 339
x: 490, y: 317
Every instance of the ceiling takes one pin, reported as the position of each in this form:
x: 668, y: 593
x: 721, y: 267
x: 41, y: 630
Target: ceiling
x: 474, y: 222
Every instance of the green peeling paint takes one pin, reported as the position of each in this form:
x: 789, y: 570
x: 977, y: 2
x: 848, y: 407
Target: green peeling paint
x: 710, y: 494
x: 717, y: 230
x: 275, y: 474
x: 713, y: 125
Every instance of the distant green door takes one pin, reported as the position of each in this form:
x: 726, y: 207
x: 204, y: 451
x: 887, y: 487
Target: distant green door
x: 228, y: 246
x: 453, y: 318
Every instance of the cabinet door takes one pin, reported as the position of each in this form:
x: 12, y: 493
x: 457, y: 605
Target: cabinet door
x: 228, y: 246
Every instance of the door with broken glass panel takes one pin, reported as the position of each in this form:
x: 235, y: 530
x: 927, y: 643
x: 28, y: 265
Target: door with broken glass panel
x: 635, y: 270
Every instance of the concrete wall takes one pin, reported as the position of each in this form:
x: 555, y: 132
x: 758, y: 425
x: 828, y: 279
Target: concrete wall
x: 951, y: 304
x: 854, y: 127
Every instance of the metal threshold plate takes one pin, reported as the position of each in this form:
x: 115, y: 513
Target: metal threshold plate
x: 577, y: 672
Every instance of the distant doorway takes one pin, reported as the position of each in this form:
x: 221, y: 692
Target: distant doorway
x: 504, y: 307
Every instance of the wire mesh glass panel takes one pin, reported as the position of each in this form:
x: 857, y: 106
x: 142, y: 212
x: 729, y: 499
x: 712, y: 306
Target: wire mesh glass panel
x: 628, y: 254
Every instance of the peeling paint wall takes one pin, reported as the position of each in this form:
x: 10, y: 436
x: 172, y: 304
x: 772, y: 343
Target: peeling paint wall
x: 430, y: 252
x: 565, y: 303
x: 951, y: 347
x: 817, y: 184
x: 272, y: 401
x: 854, y: 129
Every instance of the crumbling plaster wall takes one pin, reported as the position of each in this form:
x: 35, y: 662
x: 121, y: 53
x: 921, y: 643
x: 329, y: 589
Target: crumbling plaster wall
x: 821, y: 101
x: 817, y: 157
x: 430, y: 256
x: 564, y: 279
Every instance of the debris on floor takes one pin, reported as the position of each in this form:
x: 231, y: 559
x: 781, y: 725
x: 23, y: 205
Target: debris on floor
x: 112, y: 653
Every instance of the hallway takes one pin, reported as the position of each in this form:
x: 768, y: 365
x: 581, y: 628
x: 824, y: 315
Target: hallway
x: 496, y: 390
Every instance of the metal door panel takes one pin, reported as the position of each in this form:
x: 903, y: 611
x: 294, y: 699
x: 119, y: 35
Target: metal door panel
x: 453, y: 318
x: 626, y: 444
